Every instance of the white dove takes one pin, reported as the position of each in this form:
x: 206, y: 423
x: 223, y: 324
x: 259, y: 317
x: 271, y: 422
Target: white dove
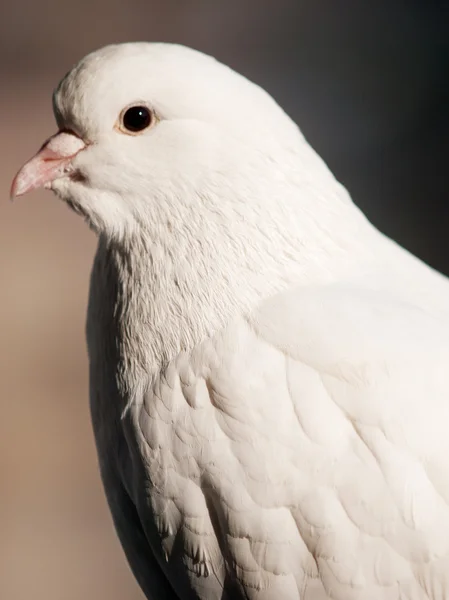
x: 269, y: 374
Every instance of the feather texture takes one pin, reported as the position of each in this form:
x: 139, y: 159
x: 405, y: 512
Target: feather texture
x: 269, y: 379
x: 301, y: 452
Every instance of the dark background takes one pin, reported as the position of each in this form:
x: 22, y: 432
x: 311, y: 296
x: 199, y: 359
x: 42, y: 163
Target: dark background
x: 368, y: 83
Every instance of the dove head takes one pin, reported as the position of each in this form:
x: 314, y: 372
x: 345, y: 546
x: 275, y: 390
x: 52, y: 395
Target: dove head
x: 172, y: 156
x: 150, y: 133
x: 203, y: 192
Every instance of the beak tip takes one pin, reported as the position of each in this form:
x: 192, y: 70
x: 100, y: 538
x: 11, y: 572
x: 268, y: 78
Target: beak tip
x: 17, y: 188
x: 48, y: 164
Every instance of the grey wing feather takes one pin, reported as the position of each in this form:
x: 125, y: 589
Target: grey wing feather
x: 139, y: 553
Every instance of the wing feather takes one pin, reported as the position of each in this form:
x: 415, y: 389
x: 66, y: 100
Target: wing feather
x: 303, y: 453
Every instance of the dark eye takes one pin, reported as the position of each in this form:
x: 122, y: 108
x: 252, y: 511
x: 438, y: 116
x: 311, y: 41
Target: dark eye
x: 137, y: 118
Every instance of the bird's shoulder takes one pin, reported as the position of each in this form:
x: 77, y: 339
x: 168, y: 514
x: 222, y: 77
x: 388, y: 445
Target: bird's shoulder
x: 308, y: 439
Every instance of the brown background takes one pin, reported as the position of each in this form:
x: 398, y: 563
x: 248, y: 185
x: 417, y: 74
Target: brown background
x: 367, y: 82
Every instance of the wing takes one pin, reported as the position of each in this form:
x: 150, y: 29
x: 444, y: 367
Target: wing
x: 366, y: 374
x: 139, y: 553
x: 304, y: 453
x: 135, y: 541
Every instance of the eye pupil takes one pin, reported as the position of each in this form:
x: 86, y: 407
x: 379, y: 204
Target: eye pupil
x: 137, y: 118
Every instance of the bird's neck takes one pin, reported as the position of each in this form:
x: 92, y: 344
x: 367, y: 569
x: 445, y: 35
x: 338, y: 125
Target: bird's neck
x: 155, y: 297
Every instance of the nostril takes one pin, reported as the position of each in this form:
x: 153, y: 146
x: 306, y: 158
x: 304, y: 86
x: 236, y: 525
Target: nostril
x: 64, y: 144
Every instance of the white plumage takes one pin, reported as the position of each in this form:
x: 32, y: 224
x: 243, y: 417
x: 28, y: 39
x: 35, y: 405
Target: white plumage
x: 269, y: 374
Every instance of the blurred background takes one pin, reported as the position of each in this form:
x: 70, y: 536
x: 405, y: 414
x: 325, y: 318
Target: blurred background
x: 368, y: 83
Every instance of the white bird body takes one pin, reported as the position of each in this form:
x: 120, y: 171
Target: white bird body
x: 269, y: 374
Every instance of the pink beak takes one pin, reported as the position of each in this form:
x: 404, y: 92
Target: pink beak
x: 51, y: 162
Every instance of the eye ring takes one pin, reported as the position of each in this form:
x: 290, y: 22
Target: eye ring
x: 135, y: 119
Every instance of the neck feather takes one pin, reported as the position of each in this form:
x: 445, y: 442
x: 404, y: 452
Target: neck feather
x: 165, y: 289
